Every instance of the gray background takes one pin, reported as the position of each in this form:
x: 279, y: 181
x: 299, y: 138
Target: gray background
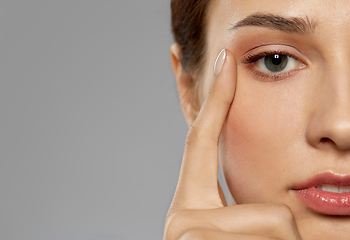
x: 91, y: 130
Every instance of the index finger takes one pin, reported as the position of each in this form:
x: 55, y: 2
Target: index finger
x: 198, y: 186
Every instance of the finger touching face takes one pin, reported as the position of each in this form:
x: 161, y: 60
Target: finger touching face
x: 290, y: 120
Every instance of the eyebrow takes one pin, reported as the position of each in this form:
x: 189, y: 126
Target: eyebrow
x: 276, y: 22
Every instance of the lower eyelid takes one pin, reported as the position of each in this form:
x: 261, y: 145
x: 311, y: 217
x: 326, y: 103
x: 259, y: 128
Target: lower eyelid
x: 266, y: 75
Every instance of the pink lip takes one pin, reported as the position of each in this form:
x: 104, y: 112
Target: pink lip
x: 321, y: 201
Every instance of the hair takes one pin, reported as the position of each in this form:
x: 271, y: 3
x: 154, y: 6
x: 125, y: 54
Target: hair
x: 188, y: 21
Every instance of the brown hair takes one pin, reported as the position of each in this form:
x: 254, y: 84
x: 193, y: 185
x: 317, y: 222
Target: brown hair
x: 188, y: 27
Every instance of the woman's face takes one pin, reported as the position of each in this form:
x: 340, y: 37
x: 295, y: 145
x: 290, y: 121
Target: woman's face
x: 289, y: 126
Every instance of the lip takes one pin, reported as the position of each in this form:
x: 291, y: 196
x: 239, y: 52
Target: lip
x: 321, y: 201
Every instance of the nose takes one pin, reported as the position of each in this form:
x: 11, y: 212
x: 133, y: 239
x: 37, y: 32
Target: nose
x: 329, y: 124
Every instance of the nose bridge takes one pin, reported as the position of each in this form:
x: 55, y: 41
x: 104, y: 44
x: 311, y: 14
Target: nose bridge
x: 330, y: 122
x: 337, y: 89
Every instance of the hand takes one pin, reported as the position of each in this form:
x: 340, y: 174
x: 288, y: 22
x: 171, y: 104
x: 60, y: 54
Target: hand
x: 198, y: 209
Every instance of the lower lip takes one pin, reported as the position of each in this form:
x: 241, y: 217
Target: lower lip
x: 325, y: 202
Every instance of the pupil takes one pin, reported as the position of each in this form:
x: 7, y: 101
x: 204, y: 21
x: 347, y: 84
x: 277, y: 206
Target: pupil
x: 276, y: 60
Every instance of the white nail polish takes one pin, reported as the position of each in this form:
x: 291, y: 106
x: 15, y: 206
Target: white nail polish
x: 219, y: 62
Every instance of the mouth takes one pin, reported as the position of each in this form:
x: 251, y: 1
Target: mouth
x: 326, y: 193
x: 333, y: 188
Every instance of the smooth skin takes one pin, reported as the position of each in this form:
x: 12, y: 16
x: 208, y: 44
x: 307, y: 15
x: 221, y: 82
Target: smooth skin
x: 270, y: 133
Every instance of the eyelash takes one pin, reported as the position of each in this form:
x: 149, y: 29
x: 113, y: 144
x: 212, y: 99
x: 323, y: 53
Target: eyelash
x: 252, y: 58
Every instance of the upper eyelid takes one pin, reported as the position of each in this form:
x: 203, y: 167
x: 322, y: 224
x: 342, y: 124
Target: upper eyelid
x: 255, y: 57
x: 270, y: 49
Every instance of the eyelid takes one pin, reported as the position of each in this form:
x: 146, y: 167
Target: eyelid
x: 266, y: 50
x: 252, y: 56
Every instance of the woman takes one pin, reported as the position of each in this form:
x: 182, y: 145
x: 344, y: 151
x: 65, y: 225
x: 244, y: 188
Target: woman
x: 276, y: 112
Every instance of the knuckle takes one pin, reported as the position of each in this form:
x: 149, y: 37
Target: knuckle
x: 194, y: 132
x: 281, y: 220
x: 177, y: 223
x: 194, y: 234
x: 199, y: 132
x: 284, y: 213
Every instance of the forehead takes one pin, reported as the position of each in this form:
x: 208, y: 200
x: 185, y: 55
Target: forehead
x: 241, y: 8
x: 331, y: 18
x: 328, y: 14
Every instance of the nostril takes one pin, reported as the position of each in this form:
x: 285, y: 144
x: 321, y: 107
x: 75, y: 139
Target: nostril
x: 326, y: 140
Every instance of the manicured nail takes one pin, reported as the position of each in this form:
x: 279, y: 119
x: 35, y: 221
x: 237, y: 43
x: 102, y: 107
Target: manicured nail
x: 219, y: 62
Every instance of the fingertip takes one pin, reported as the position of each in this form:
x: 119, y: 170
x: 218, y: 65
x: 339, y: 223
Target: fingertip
x: 223, y: 56
x: 225, y: 75
x: 229, y: 64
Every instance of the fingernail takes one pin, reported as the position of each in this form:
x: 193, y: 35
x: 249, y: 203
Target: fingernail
x: 219, y: 62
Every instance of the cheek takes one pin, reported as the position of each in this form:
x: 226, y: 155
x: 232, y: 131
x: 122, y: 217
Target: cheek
x: 260, y: 140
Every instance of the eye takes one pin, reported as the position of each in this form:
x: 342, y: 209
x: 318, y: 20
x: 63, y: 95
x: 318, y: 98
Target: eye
x: 277, y: 63
x: 274, y: 62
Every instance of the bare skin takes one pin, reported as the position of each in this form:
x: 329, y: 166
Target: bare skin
x: 198, y: 210
x: 271, y: 130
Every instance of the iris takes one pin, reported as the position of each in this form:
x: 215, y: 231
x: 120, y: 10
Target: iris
x: 276, y: 62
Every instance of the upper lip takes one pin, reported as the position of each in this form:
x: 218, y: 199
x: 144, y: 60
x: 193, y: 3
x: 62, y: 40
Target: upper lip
x: 328, y: 177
